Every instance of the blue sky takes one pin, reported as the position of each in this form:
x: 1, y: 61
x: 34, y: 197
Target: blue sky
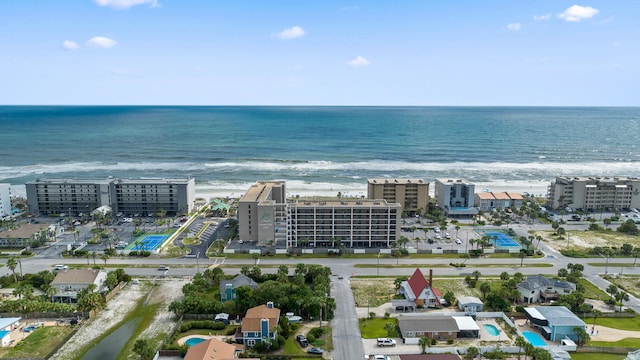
x: 423, y: 52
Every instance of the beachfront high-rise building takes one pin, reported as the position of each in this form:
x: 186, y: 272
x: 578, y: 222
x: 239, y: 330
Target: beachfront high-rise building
x: 129, y: 196
x: 455, y: 197
x: 266, y: 217
x: 262, y: 213
x: 335, y: 223
x: 5, y: 200
x: 594, y: 192
x: 412, y: 194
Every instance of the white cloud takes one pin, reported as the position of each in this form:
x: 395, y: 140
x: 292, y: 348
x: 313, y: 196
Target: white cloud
x: 542, y: 17
x: 101, y: 42
x: 514, y: 27
x: 69, y: 45
x: 290, y: 33
x: 359, y: 61
x: 125, y: 4
x: 349, y: 8
x: 577, y: 13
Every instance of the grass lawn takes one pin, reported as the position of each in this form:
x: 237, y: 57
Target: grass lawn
x: 592, y: 292
x: 374, y: 328
x: 632, y: 324
x: 38, y: 344
x: 291, y: 347
x: 413, y: 266
x: 596, y: 356
x: 625, y: 343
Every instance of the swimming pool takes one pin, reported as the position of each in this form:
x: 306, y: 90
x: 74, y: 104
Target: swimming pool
x: 533, y: 338
x: 194, y: 341
x: 502, y: 240
x: 491, y: 329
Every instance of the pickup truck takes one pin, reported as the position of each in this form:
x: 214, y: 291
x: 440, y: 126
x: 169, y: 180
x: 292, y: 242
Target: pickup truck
x: 386, y: 342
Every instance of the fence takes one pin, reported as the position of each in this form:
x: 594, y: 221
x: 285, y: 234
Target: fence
x: 605, y: 349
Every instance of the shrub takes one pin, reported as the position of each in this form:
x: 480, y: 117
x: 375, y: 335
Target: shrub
x: 386, y: 315
x: 433, y: 342
x: 316, y: 332
x: 26, y: 253
x: 450, y: 341
x: 133, y: 253
x: 311, y: 339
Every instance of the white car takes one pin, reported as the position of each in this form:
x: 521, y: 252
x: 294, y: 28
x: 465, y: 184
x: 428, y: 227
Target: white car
x: 61, y: 267
x: 438, y: 236
x: 458, y: 241
x: 447, y: 235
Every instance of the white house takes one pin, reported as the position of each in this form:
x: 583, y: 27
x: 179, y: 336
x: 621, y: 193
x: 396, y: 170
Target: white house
x: 538, y: 288
x: 68, y: 283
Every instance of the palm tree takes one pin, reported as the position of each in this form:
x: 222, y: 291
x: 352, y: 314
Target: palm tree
x: 522, y: 255
x: 613, y: 290
x: 636, y: 254
x: 520, y: 343
x: 94, y: 255
x: 476, y: 274
x: 12, y: 263
x: 390, y: 328
x: 596, y: 313
x: 424, y: 342
x: 620, y: 297
x: 485, y: 288
x: 104, y: 257
x: 457, y: 229
x: 582, y: 334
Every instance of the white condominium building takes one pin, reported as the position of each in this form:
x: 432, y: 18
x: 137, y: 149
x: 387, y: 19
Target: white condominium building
x: 129, y: 196
x: 594, y: 192
x: 5, y: 200
x: 456, y: 197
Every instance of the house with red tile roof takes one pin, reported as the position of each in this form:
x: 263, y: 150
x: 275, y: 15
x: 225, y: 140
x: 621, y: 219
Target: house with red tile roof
x: 419, y: 291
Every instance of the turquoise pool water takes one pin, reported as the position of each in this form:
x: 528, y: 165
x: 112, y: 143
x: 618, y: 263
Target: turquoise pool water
x: 492, y: 330
x: 533, y: 338
x: 194, y: 341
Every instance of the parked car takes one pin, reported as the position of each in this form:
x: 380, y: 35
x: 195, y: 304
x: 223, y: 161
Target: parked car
x: 377, y: 357
x: 302, y: 340
x: 447, y: 235
x: 29, y: 328
x: 315, y: 350
x: 61, y: 267
x: 386, y: 342
x: 458, y: 241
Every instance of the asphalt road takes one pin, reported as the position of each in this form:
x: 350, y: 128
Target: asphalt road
x: 347, y: 340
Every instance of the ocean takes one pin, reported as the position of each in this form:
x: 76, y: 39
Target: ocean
x: 318, y: 150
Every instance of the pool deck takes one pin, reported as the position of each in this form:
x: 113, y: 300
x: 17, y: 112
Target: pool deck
x: 484, y: 334
x: 523, y: 325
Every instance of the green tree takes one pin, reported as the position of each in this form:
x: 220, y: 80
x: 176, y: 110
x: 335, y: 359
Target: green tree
x: 471, y: 353
x: 450, y: 298
x: 520, y: 343
x: 476, y: 275
x: 89, y: 300
x: 424, y: 342
x: 143, y: 348
x: 390, y: 328
x: 582, y: 334
x: 104, y: 257
x: 12, y: 263
x: 485, y: 288
x: 621, y: 296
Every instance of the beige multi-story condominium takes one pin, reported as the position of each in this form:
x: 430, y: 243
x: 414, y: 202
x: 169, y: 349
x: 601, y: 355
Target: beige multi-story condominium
x: 262, y: 213
x: 266, y: 217
x: 455, y: 197
x: 412, y: 194
x: 129, y: 196
x: 486, y: 201
x: 354, y: 223
x: 594, y: 192
x: 5, y: 200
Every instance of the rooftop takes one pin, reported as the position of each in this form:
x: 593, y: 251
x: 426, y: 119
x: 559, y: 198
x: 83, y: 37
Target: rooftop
x: 75, y: 277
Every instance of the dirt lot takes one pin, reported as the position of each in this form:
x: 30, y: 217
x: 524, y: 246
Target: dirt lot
x: 116, y: 310
x: 588, y: 239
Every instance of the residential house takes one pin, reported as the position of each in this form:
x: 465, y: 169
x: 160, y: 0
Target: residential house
x: 419, y: 291
x: 538, y: 288
x: 487, y: 201
x: 228, y: 287
x: 211, y: 349
x: 259, y: 323
x: 436, y: 326
x: 6, y: 326
x: 68, y: 283
x: 470, y: 305
x: 554, y: 322
x: 430, y: 357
